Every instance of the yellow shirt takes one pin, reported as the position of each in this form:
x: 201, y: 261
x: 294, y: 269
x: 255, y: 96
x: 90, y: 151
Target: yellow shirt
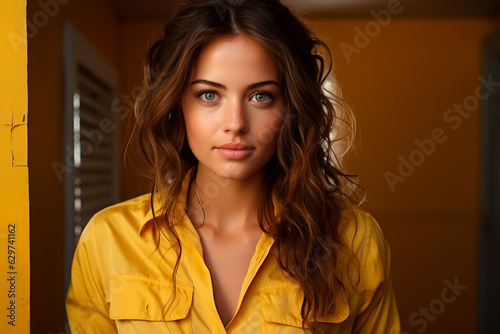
x: 121, y: 281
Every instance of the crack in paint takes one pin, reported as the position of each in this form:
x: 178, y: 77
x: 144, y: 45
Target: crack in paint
x: 12, y: 127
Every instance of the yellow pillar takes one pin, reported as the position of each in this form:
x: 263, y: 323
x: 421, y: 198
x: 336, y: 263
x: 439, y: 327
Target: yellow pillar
x: 14, y: 192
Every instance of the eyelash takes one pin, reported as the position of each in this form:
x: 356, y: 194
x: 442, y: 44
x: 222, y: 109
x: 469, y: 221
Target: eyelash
x: 269, y: 95
x: 204, y: 91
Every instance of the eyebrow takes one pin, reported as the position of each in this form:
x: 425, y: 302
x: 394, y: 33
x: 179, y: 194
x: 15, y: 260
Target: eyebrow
x: 251, y: 86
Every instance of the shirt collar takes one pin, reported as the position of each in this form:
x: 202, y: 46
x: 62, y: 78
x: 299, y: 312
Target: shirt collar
x: 179, y: 206
x: 179, y: 211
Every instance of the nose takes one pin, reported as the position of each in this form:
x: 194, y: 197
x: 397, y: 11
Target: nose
x: 236, y: 121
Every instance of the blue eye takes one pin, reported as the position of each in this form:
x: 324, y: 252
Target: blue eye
x: 261, y: 97
x: 209, y: 96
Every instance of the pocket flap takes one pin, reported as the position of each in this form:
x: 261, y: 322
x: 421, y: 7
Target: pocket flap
x: 281, y: 303
x: 136, y: 297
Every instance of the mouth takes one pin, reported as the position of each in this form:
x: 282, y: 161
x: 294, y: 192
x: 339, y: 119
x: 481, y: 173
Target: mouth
x: 235, y: 151
x: 234, y: 146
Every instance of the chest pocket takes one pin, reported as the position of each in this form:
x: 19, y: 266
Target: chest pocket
x: 144, y: 304
x: 281, y: 304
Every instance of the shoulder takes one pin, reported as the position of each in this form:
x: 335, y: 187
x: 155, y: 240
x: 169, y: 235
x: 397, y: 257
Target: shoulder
x: 139, y: 206
x: 364, y: 236
x: 373, y: 299
x: 123, y: 216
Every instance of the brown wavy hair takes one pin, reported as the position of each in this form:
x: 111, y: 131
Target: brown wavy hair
x: 304, y: 180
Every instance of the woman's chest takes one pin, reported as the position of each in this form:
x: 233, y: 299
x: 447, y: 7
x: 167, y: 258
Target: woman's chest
x: 228, y: 259
x: 142, y: 304
x: 142, y: 300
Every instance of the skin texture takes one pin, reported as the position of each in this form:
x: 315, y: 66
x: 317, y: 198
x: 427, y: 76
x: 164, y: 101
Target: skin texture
x: 234, y: 97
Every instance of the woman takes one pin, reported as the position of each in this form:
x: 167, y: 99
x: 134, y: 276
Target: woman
x: 249, y: 227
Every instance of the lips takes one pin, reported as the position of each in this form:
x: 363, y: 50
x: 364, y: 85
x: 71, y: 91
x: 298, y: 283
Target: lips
x: 235, y: 151
x: 234, y: 146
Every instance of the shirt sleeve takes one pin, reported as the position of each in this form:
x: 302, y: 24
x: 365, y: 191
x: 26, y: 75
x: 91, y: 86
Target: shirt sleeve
x: 86, y: 304
x: 378, y: 311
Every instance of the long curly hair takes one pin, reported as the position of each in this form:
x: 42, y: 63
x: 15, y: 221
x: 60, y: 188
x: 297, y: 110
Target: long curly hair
x: 304, y: 183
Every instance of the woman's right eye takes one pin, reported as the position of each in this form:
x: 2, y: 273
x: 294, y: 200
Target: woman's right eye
x: 208, y: 96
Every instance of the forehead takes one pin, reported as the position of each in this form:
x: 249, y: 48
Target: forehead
x: 238, y: 56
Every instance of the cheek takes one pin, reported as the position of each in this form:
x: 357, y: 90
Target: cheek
x: 269, y: 130
x: 199, y: 131
x: 193, y: 130
x: 191, y: 119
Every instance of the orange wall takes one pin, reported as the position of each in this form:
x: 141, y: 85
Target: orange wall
x: 134, y: 39
x: 96, y: 22
x: 400, y: 84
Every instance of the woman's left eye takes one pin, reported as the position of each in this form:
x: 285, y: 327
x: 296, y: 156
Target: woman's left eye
x: 261, y: 97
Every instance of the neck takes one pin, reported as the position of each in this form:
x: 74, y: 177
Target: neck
x: 228, y: 206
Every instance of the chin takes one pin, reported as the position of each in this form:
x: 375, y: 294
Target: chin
x: 236, y: 172
x: 239, y: 175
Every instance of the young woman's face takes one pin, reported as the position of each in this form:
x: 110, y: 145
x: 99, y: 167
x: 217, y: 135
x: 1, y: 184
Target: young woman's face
x: 233, y: 107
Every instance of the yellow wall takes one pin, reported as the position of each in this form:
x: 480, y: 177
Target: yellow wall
x: 97, y: 23
x: 400, y: 84
x: 14, y: 196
